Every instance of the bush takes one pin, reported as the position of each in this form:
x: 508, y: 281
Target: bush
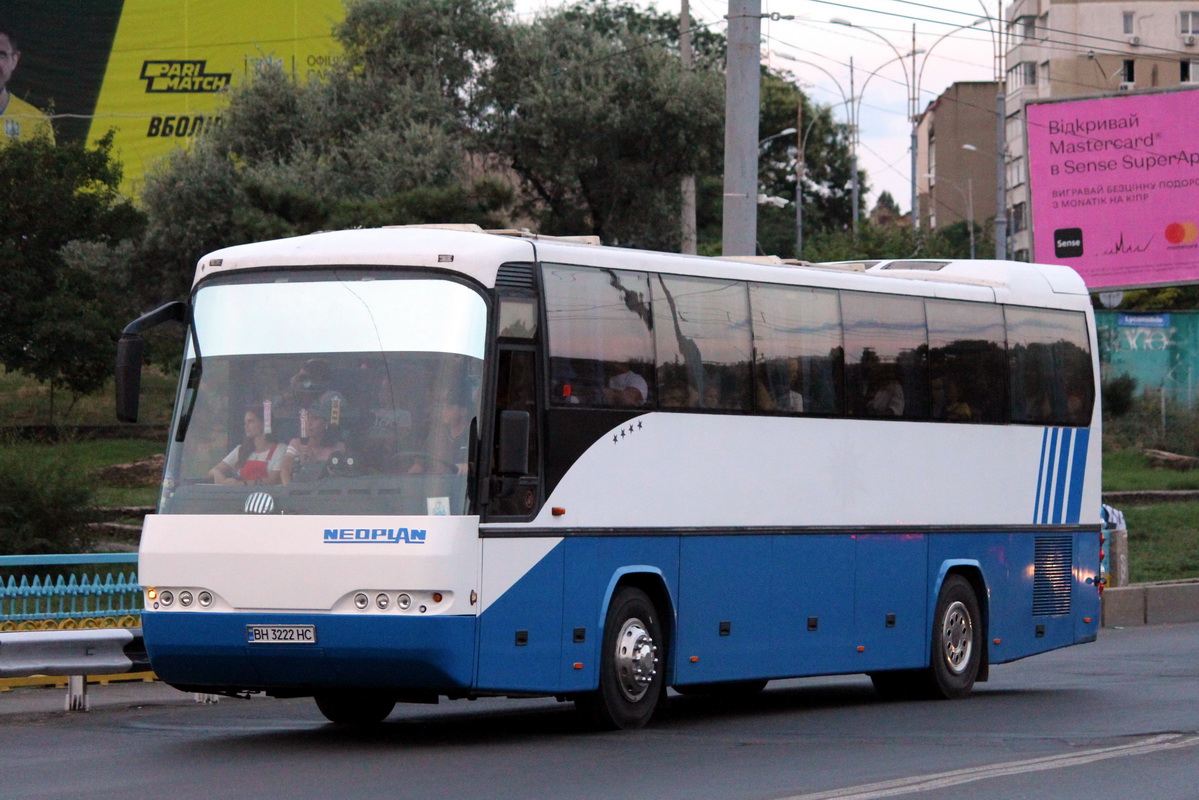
x: 45, y: 501
x: 1118, y: 395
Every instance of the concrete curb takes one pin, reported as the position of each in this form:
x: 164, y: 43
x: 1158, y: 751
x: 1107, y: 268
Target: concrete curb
x: 1151, y: 603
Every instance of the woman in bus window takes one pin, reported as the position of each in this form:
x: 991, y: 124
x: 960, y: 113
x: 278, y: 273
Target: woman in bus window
x: 308, y: 454
x: 257, y: 460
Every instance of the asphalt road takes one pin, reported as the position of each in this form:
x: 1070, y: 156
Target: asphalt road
x: 1118, y: 718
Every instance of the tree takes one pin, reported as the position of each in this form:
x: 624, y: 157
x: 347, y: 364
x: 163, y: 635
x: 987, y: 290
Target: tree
x: 827, y: 185
x: 58, y: 312
x: 382, y: 140
x: 893, y: 241
x: 590, y: 107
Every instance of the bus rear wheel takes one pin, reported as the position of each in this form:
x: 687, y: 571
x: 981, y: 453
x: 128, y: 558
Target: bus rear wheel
x: 355, y: 707
x: 632, y: 658
x: 957, y: 647
x: 956, y: 653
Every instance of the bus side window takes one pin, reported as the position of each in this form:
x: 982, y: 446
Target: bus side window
x: 886, y: 348
x: 516, y: 391
x: 701, y: 328
x: 599, y: 336
x: 797, y: 342
x: 967, y: 366
x: 1051, y: 378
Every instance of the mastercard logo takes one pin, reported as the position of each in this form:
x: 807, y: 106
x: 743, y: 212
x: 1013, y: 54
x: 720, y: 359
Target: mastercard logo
x: 1181, y: 232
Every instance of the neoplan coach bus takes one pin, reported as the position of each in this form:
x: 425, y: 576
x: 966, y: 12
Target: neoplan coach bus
x: 491, y: 464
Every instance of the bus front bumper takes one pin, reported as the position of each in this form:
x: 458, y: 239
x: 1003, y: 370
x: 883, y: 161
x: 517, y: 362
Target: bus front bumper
x: 407, y: 654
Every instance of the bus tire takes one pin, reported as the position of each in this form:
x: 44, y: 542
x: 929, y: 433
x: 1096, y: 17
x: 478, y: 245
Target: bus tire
x: 957, y: 644
x: 632, y: 661
x: 357, y: 707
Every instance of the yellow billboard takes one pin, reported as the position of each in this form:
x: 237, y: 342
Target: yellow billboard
x: 156, y: 71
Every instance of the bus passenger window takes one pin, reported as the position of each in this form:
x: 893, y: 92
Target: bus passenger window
x: 701, y: 328
x: 886, y: 349
x: 967, y: 361
x: 599, y: 336
x: 1051, y: 375
x: 797, y: 341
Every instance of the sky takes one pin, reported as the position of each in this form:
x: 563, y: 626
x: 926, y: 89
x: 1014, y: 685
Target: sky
x: 953, y: 50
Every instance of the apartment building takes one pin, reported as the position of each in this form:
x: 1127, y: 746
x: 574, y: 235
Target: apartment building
x: 1081, y: 48
x: 956, y: 156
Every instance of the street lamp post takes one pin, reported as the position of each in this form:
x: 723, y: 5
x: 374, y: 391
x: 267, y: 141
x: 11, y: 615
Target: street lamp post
x: 909, y: 80
x: 847, y: 100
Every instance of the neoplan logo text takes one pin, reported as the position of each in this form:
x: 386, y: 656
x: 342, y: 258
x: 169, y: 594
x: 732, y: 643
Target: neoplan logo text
x: 184, y: 77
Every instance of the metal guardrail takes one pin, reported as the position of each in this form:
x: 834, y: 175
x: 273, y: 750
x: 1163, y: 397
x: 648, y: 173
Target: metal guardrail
x: 74, y: 654
x: 51, y: 595
x: 59, y: 603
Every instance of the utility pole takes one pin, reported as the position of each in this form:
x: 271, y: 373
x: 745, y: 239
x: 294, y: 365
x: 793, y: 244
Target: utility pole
x: 914, y: 103
x: 742, y: 97
x: 689, y: 236
x: 1000, y: 139
x: 800, y: 167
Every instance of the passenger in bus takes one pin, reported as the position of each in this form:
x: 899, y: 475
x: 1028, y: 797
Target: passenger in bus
x: 887, y: 400
x: 626, y: 388
x: 447, y: 446
x: 947, y: 402
x: 304, y: 389
x: 258, y: 460
x: 781, y: 395
x: 308, y: 454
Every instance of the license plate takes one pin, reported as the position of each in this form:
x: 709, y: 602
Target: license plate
x: 281, y: 634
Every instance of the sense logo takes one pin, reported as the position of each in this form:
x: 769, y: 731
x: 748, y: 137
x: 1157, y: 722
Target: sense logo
x: 183, y: 77
x: 1181, y: 232
x: 1067, y: 242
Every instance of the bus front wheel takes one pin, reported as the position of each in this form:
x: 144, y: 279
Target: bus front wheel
x: 632, y: 660
x: 355, y: 707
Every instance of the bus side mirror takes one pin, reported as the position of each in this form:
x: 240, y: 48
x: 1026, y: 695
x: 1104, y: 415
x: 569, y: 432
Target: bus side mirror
x: 130, y: 350
x: 513, y: 457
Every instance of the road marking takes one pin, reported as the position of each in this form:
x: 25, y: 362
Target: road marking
x: 942, y: 780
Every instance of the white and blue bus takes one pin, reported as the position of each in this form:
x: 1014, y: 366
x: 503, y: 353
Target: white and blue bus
x: 424, y: 462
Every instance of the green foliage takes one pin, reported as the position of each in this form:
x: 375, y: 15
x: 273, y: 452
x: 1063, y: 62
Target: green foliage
x: 385, y: 133
x: 600, y: 122
x: 1166, y: 298
x: 45, y: 501
x: 1149, y: 425
x: 58, y: 198
x: 1118, y: 395
x: 1130, y: 471
x: 1161, y: 541
x: 893, y: 241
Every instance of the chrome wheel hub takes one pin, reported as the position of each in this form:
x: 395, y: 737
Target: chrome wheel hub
x: 636, y: 660
x: 957, y: 637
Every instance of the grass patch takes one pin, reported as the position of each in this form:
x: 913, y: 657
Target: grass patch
x: 24, y: 401
x: 1130, y: 471
x: 119, y: 496
x: 1162, y: 541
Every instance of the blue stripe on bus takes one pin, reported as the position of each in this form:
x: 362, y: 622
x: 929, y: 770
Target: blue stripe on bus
x: 1063, y: 475
x: 1040, y: 475
x: 1048, y: 472
x: 1081, y: 441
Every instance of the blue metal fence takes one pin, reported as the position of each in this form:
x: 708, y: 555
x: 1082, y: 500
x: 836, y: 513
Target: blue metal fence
x: 53, y: 595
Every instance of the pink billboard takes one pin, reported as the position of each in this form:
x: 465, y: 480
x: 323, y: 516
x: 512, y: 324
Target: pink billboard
x: 1114, y: 185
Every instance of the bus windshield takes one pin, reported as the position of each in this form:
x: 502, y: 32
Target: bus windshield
x: 332, y: 392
